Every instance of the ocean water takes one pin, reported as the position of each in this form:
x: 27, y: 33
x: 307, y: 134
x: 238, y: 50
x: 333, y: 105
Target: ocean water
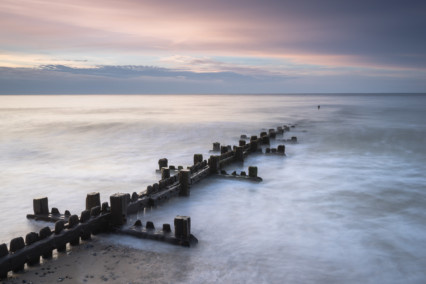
x: 346, y: 205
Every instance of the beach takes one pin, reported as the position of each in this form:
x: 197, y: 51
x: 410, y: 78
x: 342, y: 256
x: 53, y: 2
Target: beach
x: 96, y: 261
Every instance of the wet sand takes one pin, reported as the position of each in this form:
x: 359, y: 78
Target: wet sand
x: 97, y: 261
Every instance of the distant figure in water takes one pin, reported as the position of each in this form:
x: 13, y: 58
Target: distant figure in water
x: 319, y: 107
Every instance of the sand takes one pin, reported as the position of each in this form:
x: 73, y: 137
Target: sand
x: 98, y: 261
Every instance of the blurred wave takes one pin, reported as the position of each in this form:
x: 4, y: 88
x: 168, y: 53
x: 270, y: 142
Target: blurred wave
x: 345, y: 206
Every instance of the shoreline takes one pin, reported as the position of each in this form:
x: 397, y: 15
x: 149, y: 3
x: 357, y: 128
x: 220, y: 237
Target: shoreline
x: 99, y: 261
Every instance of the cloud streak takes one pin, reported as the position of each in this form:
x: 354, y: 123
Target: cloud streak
x: 60, y: 79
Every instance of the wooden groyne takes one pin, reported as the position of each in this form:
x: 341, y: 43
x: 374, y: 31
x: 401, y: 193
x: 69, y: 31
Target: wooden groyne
x: 112, y: 217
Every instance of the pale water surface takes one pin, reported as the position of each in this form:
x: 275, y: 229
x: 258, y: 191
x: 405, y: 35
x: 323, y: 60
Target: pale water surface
x: 347, y: 204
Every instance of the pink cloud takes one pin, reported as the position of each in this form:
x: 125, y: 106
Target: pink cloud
x: 316, y: 34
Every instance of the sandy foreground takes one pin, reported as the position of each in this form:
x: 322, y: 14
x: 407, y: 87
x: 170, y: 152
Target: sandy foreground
x: 97, y: 261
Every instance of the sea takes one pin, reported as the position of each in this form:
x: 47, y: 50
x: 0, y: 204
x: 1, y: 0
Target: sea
x: 347, y: 204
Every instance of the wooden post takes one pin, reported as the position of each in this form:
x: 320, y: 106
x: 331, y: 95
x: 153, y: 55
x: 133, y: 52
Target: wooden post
x: 95, y: 211
x: 84, y: 217
x: 15, y: 245
x: 31, y: 238
x: 93, y: 199
x: 166, y: 228
x: 59, y: 227
x: 182, y: 226
x: 253, y: 146
x: 198, y: 158
x: 281, y: 149
x: 239, y: 154
x: 266, y: 140
x: 216, y: 146
x: 242, y: 142
x: 43, y: 234
x: 252, y: 171
x: 3, y: 252
x: 165, y: 173
x: 73, y: 221
x: 41, y: 206
x: 214, y: 164
x: 223, y: 149
x: 184, y: 180
x: 162, y: 163
x: 105, y: 207
x: 119, y: 203
x: 150, y: 225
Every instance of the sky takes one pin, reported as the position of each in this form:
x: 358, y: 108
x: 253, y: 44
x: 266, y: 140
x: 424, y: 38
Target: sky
x: 220, y: 46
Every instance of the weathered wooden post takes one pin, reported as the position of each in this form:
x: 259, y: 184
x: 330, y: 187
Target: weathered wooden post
x: 73, y: 221
x: 3, y: 252
x: 182, y: 227
x: 155, y: 187
x: 223, y: 149
x: 216, y: 146
x: 165, y: 173
x: 253, y: 146
x: 119, y: 202
x: 162, y: 163
x: 135, y: 196
x: 149, y: 189
x: 41, y: 206
x: 184, y: 180
x: 242, y: 142
x: 85, y: 233
x: 198, y: 158
x: 214, y: 164
x: 95, y: 211
x: 150, y: 225
x: 59, y: 227
x: 239, y: 154
x: 294, y: 139
x: 93, y: 199
x: 31, y: 238
x: 272, y: 133
x: 105, y: 207
x: 43, y: 234
x: 15, y: 245
x: 252, y: 171
x: 281, y: 149
x: 166, y: 228
x: 266, y: 140
x: 280, y: 130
